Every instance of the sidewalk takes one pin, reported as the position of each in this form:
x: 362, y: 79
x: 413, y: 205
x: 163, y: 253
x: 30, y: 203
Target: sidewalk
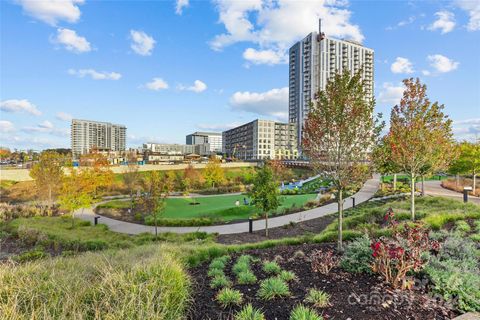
x: 365, y: 193
x: 434, y: 188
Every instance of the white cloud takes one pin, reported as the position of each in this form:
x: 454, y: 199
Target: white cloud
x: 425, y: 72
x: 263, y: 22
x: 270, y: 103
x: 52, y: 11
x: 472, y: 7
x: 157, y: 84
x: 6, y: 126
x: 142, y: 43
x: 64, y: 116
x: 441, y: 63
x: 72, y: 41
x: 269, y: 57
x: 390, y: 93
x: 218, y: 127
x: 15, y: 105
x: 445, y: 22
x: 95, y: 75
x: 402, y: 65
x: 180, y: 4
x: 198, y: 86
x: 48, y: 128
x: 467, y: 129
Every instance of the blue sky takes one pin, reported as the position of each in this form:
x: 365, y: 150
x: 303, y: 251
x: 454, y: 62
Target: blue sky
x: 168, y: 68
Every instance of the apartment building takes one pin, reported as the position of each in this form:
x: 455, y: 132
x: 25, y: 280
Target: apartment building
x: 313, y: 61
x: 214, y: 139
x: 103, y: 136
x: 261, y: 139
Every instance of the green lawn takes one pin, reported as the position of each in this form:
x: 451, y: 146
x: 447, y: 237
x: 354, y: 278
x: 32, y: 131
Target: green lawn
x: 215, y: 207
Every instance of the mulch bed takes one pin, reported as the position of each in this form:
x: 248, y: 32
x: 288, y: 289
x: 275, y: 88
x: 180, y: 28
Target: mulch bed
x: 291, y: 230
x: 353, y: 296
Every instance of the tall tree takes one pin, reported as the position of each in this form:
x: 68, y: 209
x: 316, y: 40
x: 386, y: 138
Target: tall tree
x: 468, y: 161
x: 420, y: 136
x: 339, y: 132
x: 382, y: 160
x: 157, y: 187
x: 97, y: 171
x: 131, y: 179
x: 213, y: 172
x: 48, y: 174
x: 265, y: 192
x: 74, y: 193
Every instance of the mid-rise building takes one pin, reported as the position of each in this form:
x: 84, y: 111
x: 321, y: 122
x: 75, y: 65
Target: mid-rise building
x: 261, y: 139
x: 103, y: 136
x: 313, y: 61
x: 214, y: 139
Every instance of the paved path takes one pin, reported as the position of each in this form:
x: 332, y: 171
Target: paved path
x: 434, y: 188
x: 365, y: 193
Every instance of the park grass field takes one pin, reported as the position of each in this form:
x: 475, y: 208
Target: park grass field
x: 216, y: 207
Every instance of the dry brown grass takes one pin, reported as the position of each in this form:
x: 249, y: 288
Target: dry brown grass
x: 452, y: 184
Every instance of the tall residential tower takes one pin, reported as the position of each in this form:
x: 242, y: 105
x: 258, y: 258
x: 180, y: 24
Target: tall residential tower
x: 313, y: 61
x: 103, y: 136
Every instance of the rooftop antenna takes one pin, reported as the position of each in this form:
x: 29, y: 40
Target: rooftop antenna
x: 321, y: 35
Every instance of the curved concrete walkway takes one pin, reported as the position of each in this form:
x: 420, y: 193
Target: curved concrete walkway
x: 434, y: 188
x: 365, y: 193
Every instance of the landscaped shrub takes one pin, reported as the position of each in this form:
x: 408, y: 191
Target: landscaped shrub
x: 242, y: 264
x: 462, y: 227
x: 358, y: 256
x: 220, y: 281
x: 272, y: 288
x: 455, y: 273
x: 323, y: 261
x: 400, y: 254
x: 271, y: 267
x: 30, y: 256
x: 246, y: 277
x: 287, y: 276
x: 229, y: 297
x: 249, y: 313
x: 219, y: 263
x: 30, y: 236
x: 13, y: 211
x: 304, y: 313
x: 318, y: 298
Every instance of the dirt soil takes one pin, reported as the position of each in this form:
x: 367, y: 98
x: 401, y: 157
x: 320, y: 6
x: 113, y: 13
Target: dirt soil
x: 353, y: 296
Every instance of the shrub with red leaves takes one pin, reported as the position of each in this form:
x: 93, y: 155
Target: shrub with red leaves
x: 323, y: 261
x: 401, y: 253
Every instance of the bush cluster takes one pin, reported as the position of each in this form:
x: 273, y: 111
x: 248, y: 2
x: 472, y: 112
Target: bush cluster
x: 13, y: 211
x: 455, y: 273
x: 357, y: 257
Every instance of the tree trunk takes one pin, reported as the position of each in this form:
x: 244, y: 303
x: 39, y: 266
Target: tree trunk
x: 156, y: 226
x: 266, y: 224
x: 394, y: 182
x: 50, y: 196
x: 340, y: 220
x: 457, y: 179
x: 423, y: 186
x: 474, y: 181
x: 412, y: 197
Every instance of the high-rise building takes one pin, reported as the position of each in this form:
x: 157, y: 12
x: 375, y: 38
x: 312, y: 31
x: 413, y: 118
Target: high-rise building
x: 312, y: 61
x: 214, y: 139
x: 261, y: 139
x: 103, y: 136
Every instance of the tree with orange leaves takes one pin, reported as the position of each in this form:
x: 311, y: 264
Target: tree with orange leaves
x: 420, y: 139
